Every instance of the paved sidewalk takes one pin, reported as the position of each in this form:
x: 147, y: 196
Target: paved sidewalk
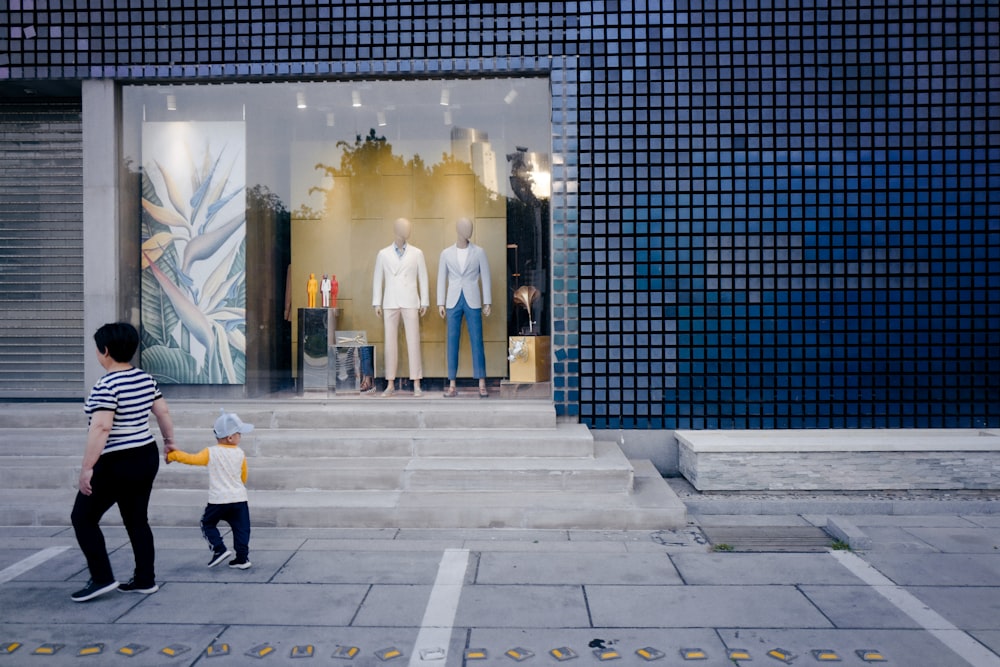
x: 926, y: 593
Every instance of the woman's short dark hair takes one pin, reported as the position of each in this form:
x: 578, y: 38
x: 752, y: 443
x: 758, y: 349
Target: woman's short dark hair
x: 119, y: 339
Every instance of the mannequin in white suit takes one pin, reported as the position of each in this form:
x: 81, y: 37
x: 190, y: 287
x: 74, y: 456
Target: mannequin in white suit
x: 400, y: 292
x: 462, y: 268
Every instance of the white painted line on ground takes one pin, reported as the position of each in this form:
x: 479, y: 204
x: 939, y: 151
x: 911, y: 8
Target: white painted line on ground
x: 947, y: 633
x: 439, y: 617
x: 34, y: 560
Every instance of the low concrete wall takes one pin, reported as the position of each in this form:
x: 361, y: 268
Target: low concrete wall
x: 946, y: 459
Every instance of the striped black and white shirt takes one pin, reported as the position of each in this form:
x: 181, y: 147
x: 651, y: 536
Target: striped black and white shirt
x: 130, y: 395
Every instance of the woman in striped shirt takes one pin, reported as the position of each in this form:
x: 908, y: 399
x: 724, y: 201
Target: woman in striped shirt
x: 120, y: 462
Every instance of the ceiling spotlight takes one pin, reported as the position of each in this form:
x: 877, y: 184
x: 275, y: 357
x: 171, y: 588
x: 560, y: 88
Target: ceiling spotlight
x: 355, y: 98
x: 510, y: 97
x: 380, y: 116
x: 445, y: 97
x: 329, y: 119
x: 171, y: 102
x: 300, y: 100
x: 447, y: 117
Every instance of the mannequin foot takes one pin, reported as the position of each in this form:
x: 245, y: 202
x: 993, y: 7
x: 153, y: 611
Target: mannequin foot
x: 417, y: 392
x: 367, y: 385
x: 450, y: 392
x: 390, y: 389
x: 482, y: 390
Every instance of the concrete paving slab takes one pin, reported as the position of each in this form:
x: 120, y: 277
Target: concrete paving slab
x: 989, y: 638
x: 968, y: 607
x: 393, y: 606
x: 900, y: 647
x: 938, y: 520
x: 895, y: 538
x: 360, y: 567
x: 985, y: 520
x: 328, y: 533
x: 191, y: 565
x: 484, y: 534
x: 960, y: 540
x: 382, y: 546
x: 545, y: 546
x: 13, y: 532
x: 114, y: 636
x: 935, y: 569
x: 702, y: 606
x: 66, y: 566
x: 38, y: 602
x: 522, y: 606
x: 576, y: 568
x: 760, y: 569
x: 247, y: 603
x: 609, y: 535
x: 857, y: 607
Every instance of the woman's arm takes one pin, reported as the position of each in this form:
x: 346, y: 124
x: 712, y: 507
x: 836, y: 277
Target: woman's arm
x: 97, y: 437
x: 166, y: 423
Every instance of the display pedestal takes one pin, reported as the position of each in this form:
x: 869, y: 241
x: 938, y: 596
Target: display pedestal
x: 531, y: 358
x: 316, y: 357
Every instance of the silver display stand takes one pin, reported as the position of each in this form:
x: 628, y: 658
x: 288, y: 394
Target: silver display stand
x: 316, y: 353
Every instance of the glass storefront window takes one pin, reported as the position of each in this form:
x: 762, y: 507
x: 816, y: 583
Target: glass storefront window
x: 238, y: 193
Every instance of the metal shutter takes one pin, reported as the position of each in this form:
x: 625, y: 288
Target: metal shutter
x: 41, y: 250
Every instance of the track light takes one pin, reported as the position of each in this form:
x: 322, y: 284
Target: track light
x: 355, y: 98
x: 380, y: 116
x: 171, y: 102
x: 445, y: 97
x: 329, y: 119
x: 510, y: 97
x: 300, y: 100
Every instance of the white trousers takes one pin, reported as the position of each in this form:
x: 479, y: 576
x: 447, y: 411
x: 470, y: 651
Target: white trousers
x: 411, y: 323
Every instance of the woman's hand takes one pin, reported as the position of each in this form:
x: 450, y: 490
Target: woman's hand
x: 84, y: 485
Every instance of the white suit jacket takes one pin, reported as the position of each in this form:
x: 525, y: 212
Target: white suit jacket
x: 400, y: 282
x: 463, y: 282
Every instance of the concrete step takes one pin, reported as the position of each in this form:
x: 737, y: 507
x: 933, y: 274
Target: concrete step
x: 609, y: 471
x: 652, y: 506
x: 563, y: 440
x: 402, y: 413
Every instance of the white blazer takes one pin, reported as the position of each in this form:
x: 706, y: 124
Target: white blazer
x: 400, y: 282
x: 466, y: 282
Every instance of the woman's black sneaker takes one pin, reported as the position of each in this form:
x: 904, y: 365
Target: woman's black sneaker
x: 219, y: 555
x: 131, y: 587
x: 92, y: 590
x: 240, y: 563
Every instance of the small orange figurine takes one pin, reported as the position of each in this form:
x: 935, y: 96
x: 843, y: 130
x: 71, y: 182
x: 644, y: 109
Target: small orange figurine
x: 334, y: 288
x: 311, y: 288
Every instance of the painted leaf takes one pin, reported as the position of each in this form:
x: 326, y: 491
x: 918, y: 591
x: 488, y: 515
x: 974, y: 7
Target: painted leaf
x: 174, y: 192
x: 169, y: 365
x: 165, y: 215
x: 154, y: 247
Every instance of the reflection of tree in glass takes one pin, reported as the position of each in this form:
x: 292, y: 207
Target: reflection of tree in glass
x: 368, y: 159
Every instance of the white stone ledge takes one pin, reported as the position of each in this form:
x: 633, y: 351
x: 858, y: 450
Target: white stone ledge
x: 847, y: 440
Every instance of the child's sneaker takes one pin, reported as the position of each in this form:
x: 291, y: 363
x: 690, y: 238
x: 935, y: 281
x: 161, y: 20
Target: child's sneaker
x: 219, y: 555
x: 240, y: 563
x: 131, y: 587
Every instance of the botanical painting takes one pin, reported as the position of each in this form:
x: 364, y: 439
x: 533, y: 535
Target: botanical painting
x: 194, y: 252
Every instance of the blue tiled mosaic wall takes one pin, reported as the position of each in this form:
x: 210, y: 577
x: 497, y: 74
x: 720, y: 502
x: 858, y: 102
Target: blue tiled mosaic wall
x: 768, y: 213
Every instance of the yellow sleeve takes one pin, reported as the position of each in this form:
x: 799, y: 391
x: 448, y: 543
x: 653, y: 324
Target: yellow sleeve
x: 243, y: 471
x: 199, y: 459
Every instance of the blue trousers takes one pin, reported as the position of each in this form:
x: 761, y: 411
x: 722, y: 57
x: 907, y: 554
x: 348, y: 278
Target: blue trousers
x: 237, y: 515
x: 474, y: 321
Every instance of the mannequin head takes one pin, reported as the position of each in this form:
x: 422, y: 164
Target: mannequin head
x: 464, y: 229
x: 401, y: 229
